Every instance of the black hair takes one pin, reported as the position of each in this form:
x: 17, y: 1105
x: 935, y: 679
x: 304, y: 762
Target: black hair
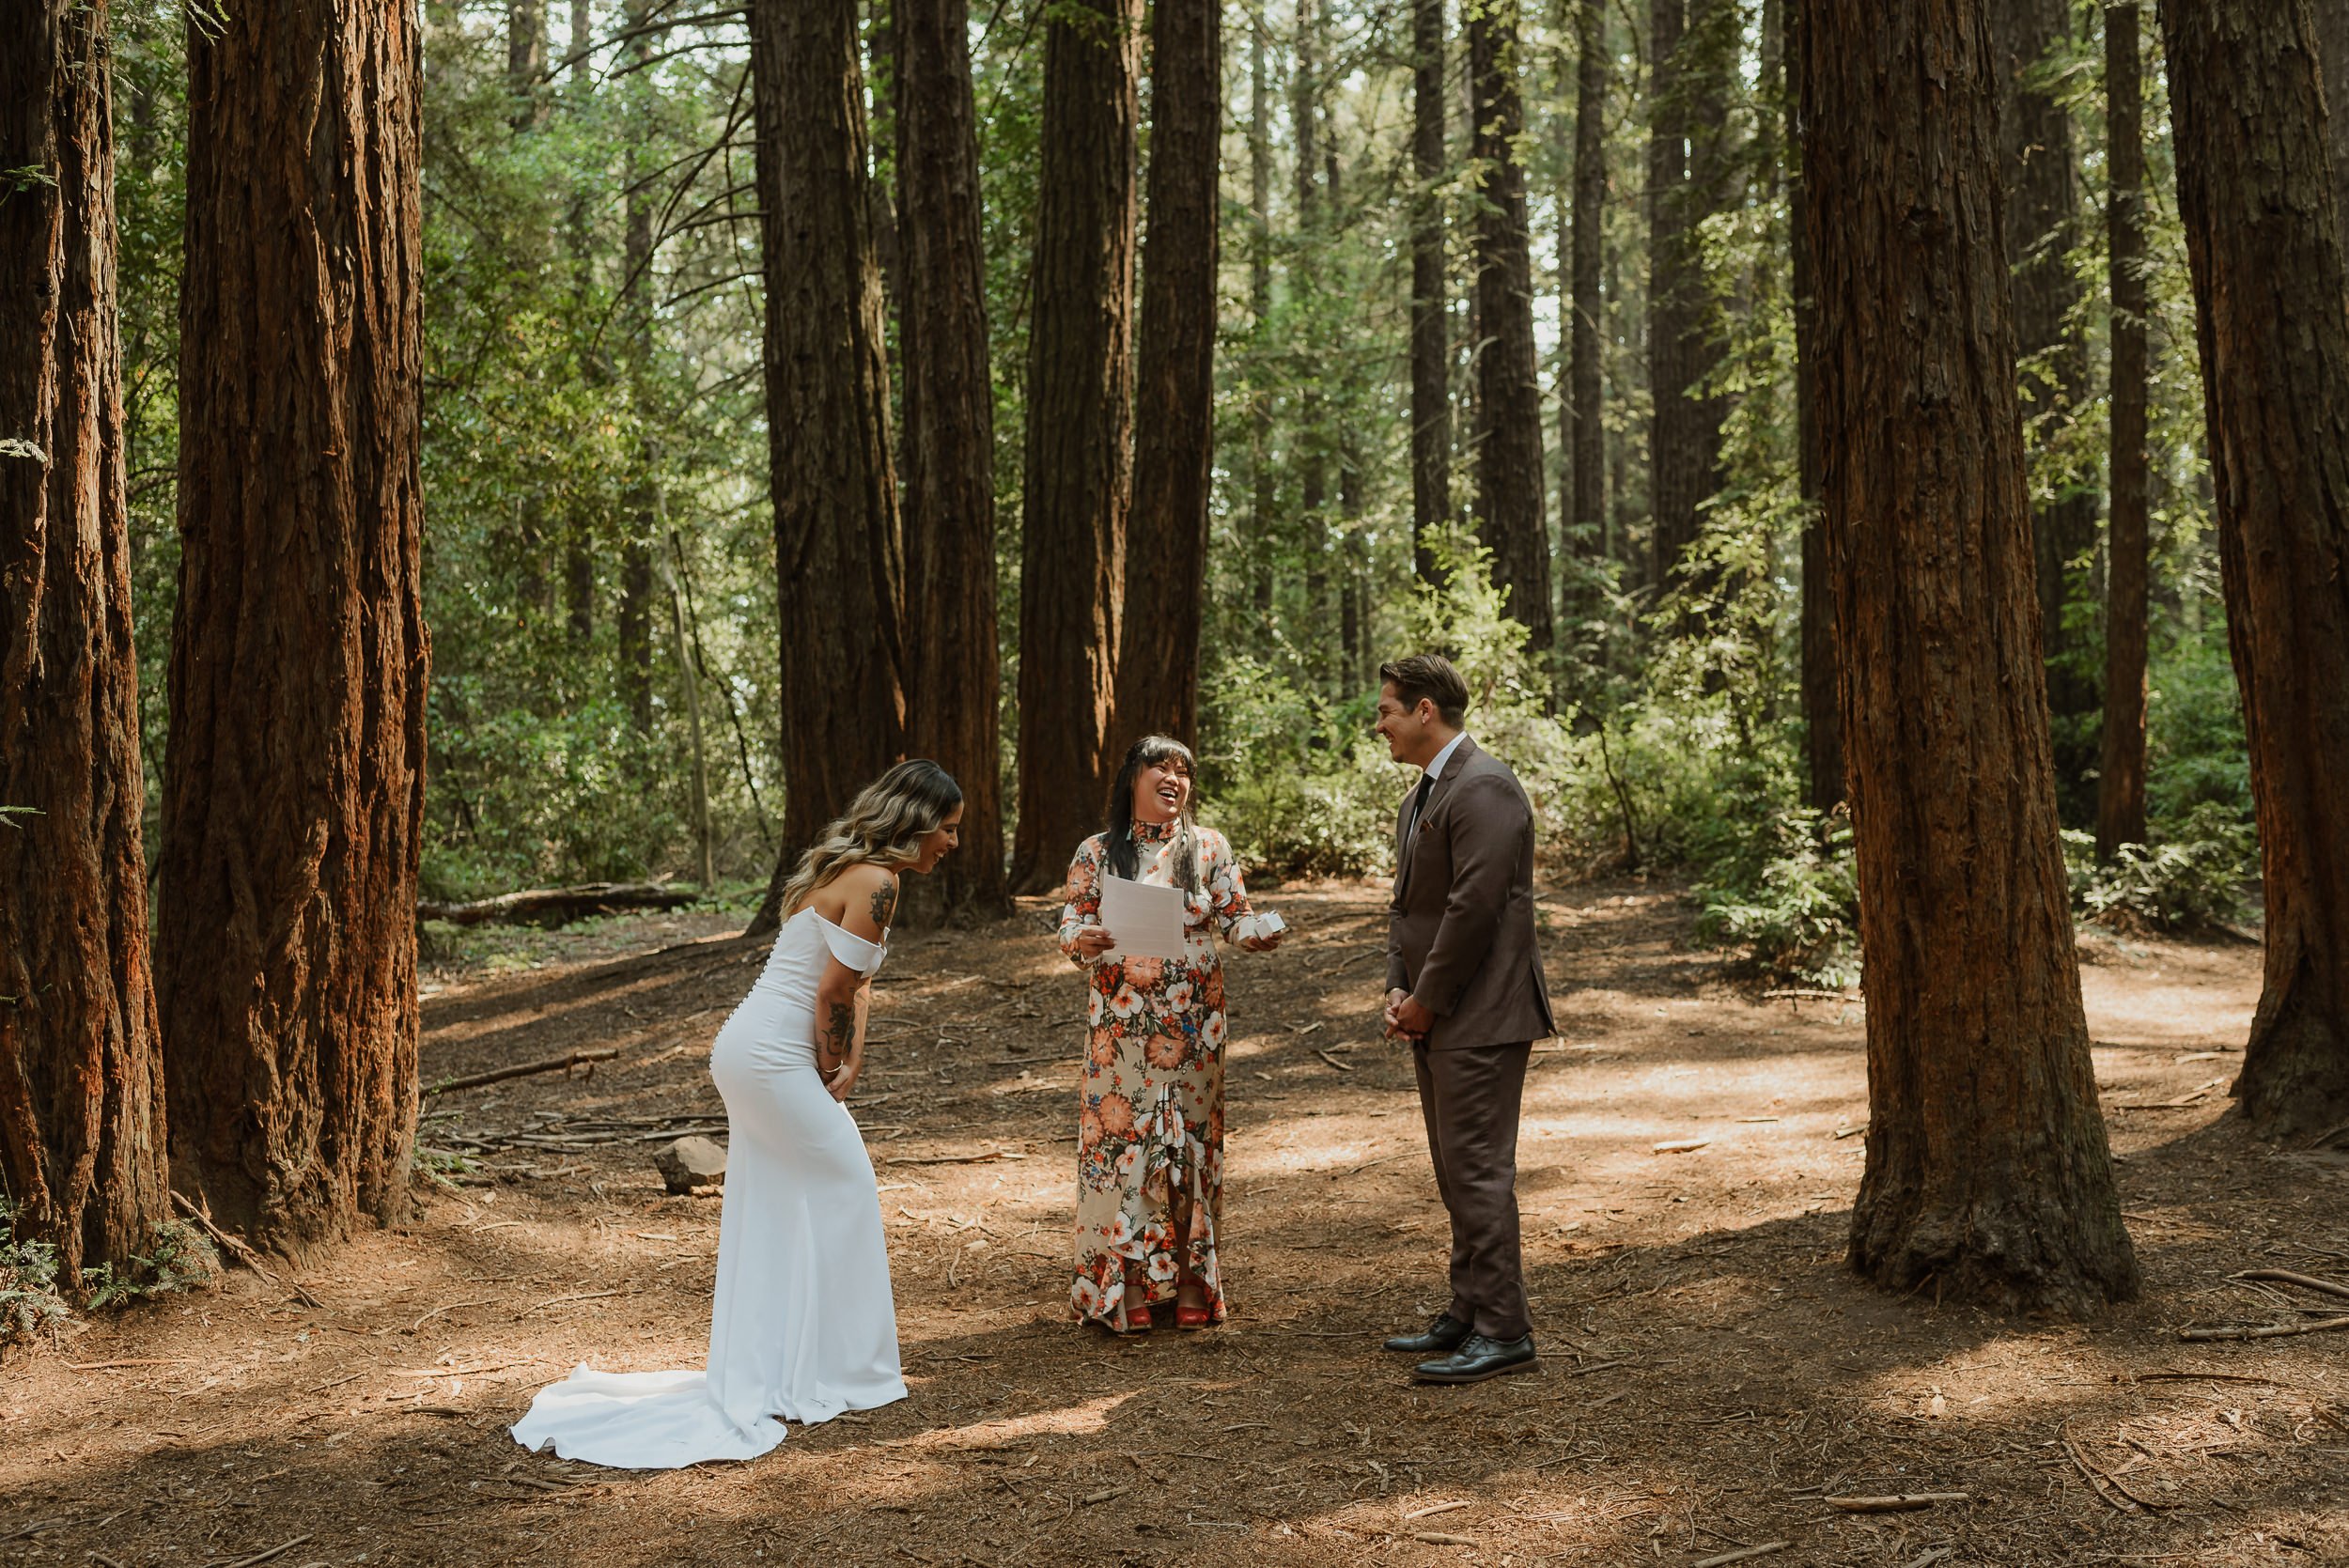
x: 1123, y: 853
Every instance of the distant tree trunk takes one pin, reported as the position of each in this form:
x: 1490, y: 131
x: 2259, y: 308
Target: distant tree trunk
x: 1584, y: 432
x: 1264, y: 493
x: 2121, y: 780
x: 1311, y: 633
x: 1987, y: 1170
x: 2262, y: 235
x: 1822, y: 700
x: 1431, y: 353
x: 952, y: 694
x: 704, y: 839
x: 1671, y: 288
x: 81, y: 1150
x: 839, y: 558
x: 2042, y: 213
x: 883, y: 191
x: 578, y: 561
x: 1079, y: 470
x: 293, y: 788
x: 529, y: 108
x: 632, y: 623
x: 1166, y: 545
x: 1508, y: 379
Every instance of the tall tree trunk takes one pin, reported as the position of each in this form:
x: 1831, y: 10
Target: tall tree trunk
x: 2121, y: 780
x: 632, y: 623
x: 2042, y: 215
x: 1988, y: 1168
x: 578, y: 561
x: 1671, y: 287
x: 952, y: 698
x: 1263, y: 483
x: 529, y: 109
x: 1694, y: 164
x: 1509, y: 394
x: 839, y: 558
x: 82, y: 1151
x: 293, y: 789
x: 1584, y: 432
x: 1079, y: 470
x: 1821, y: 699
x: 1166, y: 547
x: 705, y: 838
x: 1311, y: 634
x: 2263, y: 236
x: 1431, y: 353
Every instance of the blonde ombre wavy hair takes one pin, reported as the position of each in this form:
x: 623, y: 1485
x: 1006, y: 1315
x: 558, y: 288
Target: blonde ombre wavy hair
x: 883, y: 825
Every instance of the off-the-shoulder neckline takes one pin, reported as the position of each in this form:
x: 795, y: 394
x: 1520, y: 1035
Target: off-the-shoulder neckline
x: 812, y: 910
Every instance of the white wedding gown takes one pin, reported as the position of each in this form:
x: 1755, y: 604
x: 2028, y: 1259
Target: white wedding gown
x: 802, y: 1326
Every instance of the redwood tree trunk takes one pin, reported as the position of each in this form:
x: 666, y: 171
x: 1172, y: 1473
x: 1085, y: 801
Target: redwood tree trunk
x: 839, y: 559
x: 2121, y: 780
x: 2041, y: 213
x: 1080, y: 423
x: 1671, y: 287
x: 1585, y: 430
x: 1821, y: 699
x: 1509, y: 406
x: 1310, y: 634
x: 293, y: 788
x: 2331, y: 18
x: 1166, y: 548
x: 81, y: 1071
x: 1987, y: 1168
x: 950, y: 689
x: 2255, y: 192
x: 1431, y: 370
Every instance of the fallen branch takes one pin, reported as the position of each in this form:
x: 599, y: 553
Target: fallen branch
x: 1934, y: 1556
x: 2286, y: 1275
x: 1902, y: 1502
x: 2267, y: 1331
x: 1334, y: 1061
x: 953, y: 1160
x: 555, y: 906
x: 1744, y: 1552
x: 234, y: 1246
x: 1437, y: 1537
x: 2096, y: 1474
x: 499, y: 1075
x: 1798, y: 994
x: 264, y: 1557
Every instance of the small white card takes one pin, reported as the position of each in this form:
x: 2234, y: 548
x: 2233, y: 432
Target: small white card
x: 1144, y: 921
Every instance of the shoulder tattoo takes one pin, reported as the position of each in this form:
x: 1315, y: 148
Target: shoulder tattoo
x: 885, y: 903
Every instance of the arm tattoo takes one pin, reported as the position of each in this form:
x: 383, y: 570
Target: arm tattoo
x: 841, y: 1035
x: 885, y: 903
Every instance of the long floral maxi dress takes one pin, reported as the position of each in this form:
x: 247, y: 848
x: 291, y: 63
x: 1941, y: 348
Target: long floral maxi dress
x: 1150, y: 1118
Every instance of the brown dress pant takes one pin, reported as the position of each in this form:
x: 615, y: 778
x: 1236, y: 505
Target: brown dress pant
x: 1470, y: 1096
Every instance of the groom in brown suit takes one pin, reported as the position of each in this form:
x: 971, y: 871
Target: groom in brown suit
x: 1464, y: 987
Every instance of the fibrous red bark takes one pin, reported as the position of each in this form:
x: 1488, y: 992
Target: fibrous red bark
x: 293, y: 788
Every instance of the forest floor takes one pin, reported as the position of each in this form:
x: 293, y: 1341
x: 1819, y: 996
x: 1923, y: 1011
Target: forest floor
x: 1711, y: 1370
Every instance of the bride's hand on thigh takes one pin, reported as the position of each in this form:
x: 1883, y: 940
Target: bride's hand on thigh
x: 844, y: 1076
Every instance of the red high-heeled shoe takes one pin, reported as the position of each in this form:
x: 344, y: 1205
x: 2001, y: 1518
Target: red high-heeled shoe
x: 1201, y: 1317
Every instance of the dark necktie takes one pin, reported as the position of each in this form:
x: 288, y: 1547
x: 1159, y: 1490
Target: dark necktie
x: 1419, y: 804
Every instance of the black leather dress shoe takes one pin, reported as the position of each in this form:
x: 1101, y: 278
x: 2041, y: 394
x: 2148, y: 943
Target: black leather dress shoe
x: 1442, y: 1337
x: 1478, y: 1359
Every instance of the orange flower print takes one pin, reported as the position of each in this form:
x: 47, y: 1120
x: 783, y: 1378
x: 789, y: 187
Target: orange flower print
x: 1117, y: 1115
x: 1164, y: 1051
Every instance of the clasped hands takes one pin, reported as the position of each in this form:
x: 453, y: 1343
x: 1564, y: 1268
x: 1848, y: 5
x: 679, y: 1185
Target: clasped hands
x: 1094, y: 940
x: 1404, y: 1018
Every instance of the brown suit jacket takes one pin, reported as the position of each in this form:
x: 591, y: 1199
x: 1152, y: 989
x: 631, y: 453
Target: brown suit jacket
x: 1460, y: 928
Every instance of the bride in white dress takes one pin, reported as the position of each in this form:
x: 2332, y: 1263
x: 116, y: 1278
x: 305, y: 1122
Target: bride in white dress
x: 802, y: 1327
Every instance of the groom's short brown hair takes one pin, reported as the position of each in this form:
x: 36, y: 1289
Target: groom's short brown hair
x: 1429, y: 676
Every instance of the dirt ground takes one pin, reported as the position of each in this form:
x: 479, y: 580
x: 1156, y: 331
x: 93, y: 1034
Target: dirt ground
x: 1711, y: 1370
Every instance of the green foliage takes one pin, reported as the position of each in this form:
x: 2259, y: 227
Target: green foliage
x: 1791, y: 901
x: 178, y: 1258
x: 30, y: 1303
x: 2193, y: 878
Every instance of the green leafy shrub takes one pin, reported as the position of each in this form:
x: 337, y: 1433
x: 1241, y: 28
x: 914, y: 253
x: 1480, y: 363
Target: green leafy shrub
x: 1792, y: 903
x: 2194, y: 877
x: 179, y: 1257
x: 30, y: 1303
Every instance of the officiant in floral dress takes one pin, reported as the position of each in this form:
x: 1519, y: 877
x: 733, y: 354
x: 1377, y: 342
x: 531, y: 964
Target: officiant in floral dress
x: 1150, y: 1120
